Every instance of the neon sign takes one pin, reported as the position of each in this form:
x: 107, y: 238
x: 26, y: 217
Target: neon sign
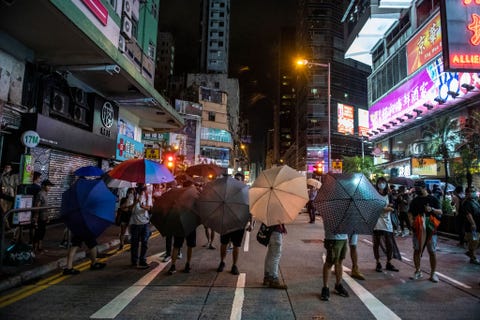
x: 461, y: 34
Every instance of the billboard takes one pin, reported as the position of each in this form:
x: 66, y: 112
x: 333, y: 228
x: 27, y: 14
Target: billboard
x: 461, y: 34
x: 425, y: 45
x: 345, y: 118
x: 362, y: 122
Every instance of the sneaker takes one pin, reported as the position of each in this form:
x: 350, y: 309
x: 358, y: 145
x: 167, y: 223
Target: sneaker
x: 391, y: 267
x: 275, y: 284
x: 234, y: 270
x: 166, y: 258
x: 379, y: 267
x: 187, y: 268
x: 357, y: 274
x: 221, y: 266
x: 341, y: 290
x: 172, y: 269
x: 211, y: 247
x: 143, y: 265
x: 70, y: 271
x: 474, y: 261
x: 325, y: 294
x: 417, y: 275
x: 434, y: 277
x: 266, y: 281
x: 97, y: 266
x: 180, y: 255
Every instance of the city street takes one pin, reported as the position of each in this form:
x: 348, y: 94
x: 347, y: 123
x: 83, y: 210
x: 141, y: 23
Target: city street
x: 120, y: 292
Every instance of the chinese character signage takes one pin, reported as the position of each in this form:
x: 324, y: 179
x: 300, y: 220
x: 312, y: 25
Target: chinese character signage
x: 461, y: 34
x: 345, y: 119
x: 127, y: 148
x: 425, y: 45
x: 362, y: 122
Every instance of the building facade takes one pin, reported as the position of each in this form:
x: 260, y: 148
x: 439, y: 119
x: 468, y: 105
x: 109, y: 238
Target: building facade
x: 165, y: 62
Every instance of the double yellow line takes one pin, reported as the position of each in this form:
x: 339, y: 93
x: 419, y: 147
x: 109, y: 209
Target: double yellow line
x: 28, y: 290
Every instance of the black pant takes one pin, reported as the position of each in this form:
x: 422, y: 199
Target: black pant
x: 403, y: 217
x: 388, y: 237
x: 311, y: 210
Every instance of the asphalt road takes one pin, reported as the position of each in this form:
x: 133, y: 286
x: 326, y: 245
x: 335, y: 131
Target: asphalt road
x: 120, y: 292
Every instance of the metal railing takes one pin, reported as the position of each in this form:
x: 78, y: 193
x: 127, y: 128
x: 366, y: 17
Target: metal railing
x: 5, y: 221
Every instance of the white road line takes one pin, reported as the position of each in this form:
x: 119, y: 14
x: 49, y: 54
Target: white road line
x: 237, y: 303
x: 406, y: 259
x: 246, y: 243
x: 367, y: 241
x: 453, y: 280
x: 375, y: 306
x: 114, y: 307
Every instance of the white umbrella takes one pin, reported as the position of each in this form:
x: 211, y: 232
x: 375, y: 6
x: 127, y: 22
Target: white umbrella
x: 314, y: 183
x: 278, y: 195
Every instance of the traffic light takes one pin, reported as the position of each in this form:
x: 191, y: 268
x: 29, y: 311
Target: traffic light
x: 318, y: 168
x: 169, y: 161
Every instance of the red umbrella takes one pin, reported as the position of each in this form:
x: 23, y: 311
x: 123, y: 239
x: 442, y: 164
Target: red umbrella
x: 141, y: 171
x: 205, y: 170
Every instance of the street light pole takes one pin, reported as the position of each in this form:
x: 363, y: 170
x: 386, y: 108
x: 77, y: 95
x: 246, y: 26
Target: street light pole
x: 329, y: 107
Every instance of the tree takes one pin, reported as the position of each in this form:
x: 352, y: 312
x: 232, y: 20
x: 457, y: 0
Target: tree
x: 470, y: 147
x: 441, y: 137
x: 357, y: 164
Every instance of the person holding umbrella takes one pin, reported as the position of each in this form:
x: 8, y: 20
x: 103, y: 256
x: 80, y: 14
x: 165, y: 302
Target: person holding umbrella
x: 140, y: 228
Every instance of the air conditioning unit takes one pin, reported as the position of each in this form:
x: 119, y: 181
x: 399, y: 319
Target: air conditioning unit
x: 59, y: 105
x: 135, y: 9
x: 79, y: 97
x: 122, y: 45
x: 79, y: 115
x: 127, y: 8
x: 127, y: 27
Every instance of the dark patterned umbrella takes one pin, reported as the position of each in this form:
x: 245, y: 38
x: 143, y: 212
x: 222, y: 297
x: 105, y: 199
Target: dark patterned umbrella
x: 349, y: 203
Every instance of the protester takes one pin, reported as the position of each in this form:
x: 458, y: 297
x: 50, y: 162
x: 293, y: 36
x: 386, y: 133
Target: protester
x: 312, y: 193
x: 272, y: 259
x: 383, y: 230
x: 140, y: 228
x: 353, y: 241
x: 336, y: 247
x: 125, y: 211
x: 33, y: 189
x: 91, y: 244
x: 457, y: 198
x: 403, y: 202
x: 210, y: 235
x: 471, y: 209
x: 41, y: 217
x: 424, y: 209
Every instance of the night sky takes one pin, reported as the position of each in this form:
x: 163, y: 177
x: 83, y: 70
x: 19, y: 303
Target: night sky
x: 254, y: 33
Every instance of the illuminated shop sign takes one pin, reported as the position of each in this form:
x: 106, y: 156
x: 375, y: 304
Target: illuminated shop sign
x: 345, y: 119
x: 127, y: 148
x: 425, y: 45
x: 429, y: 86
x: 362, y: 122
x: 461, y: 34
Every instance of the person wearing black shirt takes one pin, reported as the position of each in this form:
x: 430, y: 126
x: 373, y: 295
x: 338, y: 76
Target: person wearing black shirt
x: 471, y: 211
x: 424, y: 210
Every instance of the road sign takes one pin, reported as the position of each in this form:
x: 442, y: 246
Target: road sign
x: 337, y: 166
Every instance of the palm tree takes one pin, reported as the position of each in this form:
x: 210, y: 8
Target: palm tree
x: 442, y: 136
x: 470, y: 148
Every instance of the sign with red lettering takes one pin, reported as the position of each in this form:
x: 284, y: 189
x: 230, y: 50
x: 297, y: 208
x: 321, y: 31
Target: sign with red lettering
x: 461, y: 34
x: 345, y: 119
x: 98, y: 10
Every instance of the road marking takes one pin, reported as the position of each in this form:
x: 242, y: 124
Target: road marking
x: 367, y: 241
x: 237, y: 303
x: 246, y: 243
x: 453, y: 280
x: 375, y: 306
x: 114, y: 307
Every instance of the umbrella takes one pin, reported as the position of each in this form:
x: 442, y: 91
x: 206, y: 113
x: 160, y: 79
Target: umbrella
x: 278, y: 195
x: 407, y: 182
x: 173, y: 212
x: 223, y: 205
x: 349, y: 203
x: 314, y: 183
x: 141, y: 171
x: 89, y: 171
x: 204, y: 170
x: 88, y: 207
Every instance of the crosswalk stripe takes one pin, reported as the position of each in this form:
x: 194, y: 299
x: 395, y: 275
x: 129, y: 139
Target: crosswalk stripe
x: 237, y: 303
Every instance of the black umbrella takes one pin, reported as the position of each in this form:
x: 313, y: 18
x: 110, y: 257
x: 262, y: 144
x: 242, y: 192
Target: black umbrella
x: 407, y: 182
x: 223, y: 205
x: 173, y: 213
x: 349, y: 203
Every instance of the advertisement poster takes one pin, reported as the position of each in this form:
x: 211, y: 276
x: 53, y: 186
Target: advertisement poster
x: 345, y: 119
x: 22, y: 201
x: 363, y: 122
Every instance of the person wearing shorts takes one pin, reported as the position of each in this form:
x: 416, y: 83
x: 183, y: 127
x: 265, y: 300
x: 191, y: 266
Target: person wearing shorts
x: 352, y: 243
x: 236, y: 238
x: 336, y: 247
x: 191, y: 240
x: 91, y: 244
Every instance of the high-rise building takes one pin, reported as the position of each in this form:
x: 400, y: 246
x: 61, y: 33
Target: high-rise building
x: 320, y: 41
x: 165, y: 61
x: 215, y: 29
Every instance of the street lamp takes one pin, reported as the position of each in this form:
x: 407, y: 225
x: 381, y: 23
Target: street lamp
x: 304, y: 62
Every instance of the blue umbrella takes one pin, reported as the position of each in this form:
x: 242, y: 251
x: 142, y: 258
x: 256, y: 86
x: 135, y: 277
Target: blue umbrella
x: 89, y: 171
x: 88, y: 207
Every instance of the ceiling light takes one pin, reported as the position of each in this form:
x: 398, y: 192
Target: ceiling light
x: 374, y: 132
x: 386, y: 126
x: 400, y: 120
x: 467, y: 87
x: 440, y: 100
x: 428, y: 106
x: 453, y: 94
x: 408, y: 115
x: 393, y: 123
x: 380, y: 129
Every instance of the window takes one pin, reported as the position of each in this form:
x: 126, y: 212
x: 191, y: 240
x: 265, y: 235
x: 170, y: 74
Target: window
x: 113, y: 3
x: 211, y: 116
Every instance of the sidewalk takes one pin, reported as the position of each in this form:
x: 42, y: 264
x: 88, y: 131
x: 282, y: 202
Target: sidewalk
x: 53, y: 259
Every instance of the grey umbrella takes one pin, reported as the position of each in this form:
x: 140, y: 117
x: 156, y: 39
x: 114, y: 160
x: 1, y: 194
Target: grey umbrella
x: 223, y: 205
x: 349, y: 203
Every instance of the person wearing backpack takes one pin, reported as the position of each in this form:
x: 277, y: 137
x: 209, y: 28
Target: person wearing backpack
x: 471, y: 209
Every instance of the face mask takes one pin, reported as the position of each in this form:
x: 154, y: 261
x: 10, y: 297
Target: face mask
x: 381, y: 186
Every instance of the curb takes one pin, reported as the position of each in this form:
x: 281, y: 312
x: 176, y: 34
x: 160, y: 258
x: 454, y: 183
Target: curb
x: 39, y: 271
